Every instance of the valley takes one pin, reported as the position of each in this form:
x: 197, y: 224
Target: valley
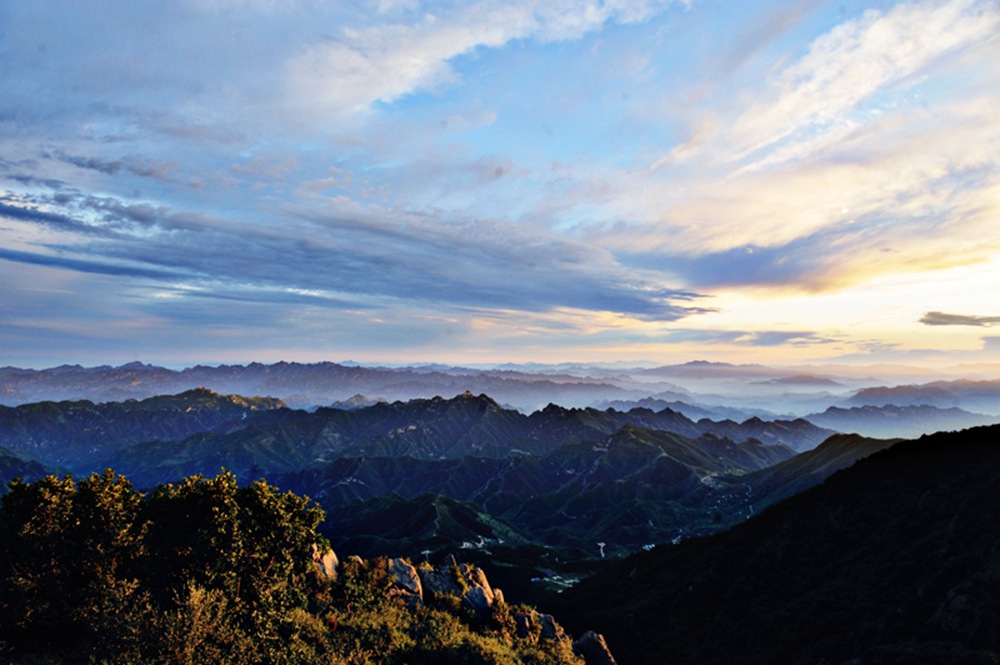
x: 551, y: 504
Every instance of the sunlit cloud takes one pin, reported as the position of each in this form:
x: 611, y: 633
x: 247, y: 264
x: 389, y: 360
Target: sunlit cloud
x: 801, y: 181
x: 889, y: 195
x: 849, y: 66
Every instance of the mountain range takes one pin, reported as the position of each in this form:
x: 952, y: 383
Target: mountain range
x: 685, y: 532
x: 548, y: 495
x: 697, y: 389
x: 980, y: 395
x: 890, y: 420
x: 165, y: 436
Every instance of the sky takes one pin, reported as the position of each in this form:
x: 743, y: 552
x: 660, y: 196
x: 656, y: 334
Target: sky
x: 483, y: 181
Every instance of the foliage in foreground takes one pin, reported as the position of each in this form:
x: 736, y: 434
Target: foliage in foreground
x: 206, y: 571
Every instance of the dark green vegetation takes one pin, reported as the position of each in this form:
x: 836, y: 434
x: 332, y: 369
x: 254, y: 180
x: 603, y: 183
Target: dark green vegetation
x: 628, y: 489
x: 894, y: 560
x: 13, y: 465
x: 209, y: 572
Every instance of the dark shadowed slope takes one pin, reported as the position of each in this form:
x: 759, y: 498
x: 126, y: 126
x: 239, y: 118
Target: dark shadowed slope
x: 13, y: 466
x: 778, y: 482
x: 895, y: 560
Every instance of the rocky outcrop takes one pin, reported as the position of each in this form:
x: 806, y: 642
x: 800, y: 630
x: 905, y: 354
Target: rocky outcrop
x: 416, y: 585
x: 463, y: 581
x: 406, y: 577
x: 593, y: 649
x: 406, y: 583
x: 325, y: 561
x: 534, y: 626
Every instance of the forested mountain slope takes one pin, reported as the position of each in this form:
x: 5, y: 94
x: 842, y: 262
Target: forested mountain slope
x: 894, y: 560
x: 207, y: 572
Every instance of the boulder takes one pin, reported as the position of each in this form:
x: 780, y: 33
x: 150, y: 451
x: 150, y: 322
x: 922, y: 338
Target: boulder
x: 326, y: 561
x: 440, y: 581
x: 477, y: 600
x: 550, y: 629
x: 463, y: 581
x: 406, y: 578
x: 535, y: 625
x: 593, y: 649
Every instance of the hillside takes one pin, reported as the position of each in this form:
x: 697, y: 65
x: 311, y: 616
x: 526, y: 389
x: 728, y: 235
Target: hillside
x: 780, y: 481
x: 574, y: 483
x: 893, y: 560
x: 81, y: 434
x: 208, y: 572
x: 13, y: 465
x: 427, y: 429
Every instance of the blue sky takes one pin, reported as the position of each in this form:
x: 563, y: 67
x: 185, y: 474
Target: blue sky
x: 475, y: 182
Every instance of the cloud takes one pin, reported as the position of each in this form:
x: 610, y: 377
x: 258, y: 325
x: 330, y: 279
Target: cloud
x: 92, y: 163
x: 25, y: 212
x: 809, y: 103
x: 144, y: 168
x: 766, y: 338
x: 482, y: 163
x: 784, y: 337
x: 715, y: 337
x: 32, y: 181
x: 77, y: 265
x: 855, y: 61
x: 360, y: 67
x: 351, y: 253
x: 945, y: 319
x: 913, y: 191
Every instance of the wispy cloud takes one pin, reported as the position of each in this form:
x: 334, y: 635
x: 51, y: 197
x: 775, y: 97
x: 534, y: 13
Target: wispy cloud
x: 811, y: 99
x: 748, y: 338
x: 853, y: 176
x: 476, y: 174
x: 78, y: 265
x: 359, y: 67
x: 770, y: 25
x: 355, y: 251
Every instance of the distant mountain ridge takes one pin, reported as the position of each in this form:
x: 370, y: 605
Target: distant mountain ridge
x: 964, y: 393
x: 718, y: 390
x: 299, y: 384
x: 77, y: 434
x: 889, y: 420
